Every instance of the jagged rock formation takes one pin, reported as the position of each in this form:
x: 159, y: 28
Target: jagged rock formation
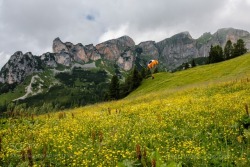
x: 177, y: 49
x: 19, y: 66
x: 171, y: 53
x: 149, y: 48
x: 119, y: 50
x: 49, y: 60
x: 66, y: 53
x: 181, y: 48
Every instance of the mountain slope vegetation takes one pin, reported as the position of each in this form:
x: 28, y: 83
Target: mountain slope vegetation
x: 195, y: 117
x: 227, y: 70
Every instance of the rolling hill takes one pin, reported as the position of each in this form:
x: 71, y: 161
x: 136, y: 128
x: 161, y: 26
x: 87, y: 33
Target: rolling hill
x: 212, y: 73
x: 195, y: 117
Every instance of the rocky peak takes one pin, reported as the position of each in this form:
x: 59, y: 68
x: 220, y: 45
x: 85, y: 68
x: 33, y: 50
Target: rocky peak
x: 69, y: 45
x: 49, y: 60
x: 126, y: 40
x: 68, y: 52
x: 112, y: 49
x: 177, y: 49
x: 59, y: 46
x: 223, y: 35
x: 119, y: 51
x: 182, y: 35
x: 232, y: 31
x: 90, y: 47
x: 149, y: 48
x: 19, y: 66
x: 16, y: 55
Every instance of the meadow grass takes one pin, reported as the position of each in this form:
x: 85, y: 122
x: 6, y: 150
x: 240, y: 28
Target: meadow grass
x: 188, y: 118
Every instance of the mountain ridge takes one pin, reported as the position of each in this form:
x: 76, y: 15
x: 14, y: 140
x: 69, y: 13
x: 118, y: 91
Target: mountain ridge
x: 121, y: 52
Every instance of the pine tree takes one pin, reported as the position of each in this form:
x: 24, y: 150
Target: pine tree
x: 114, y: 90
x: 193, y: 63
x: 136, y: 78
x: 186, y: 66
x: 132, y: 81
x: 126, y: 87
x: 143, y: 73
x: 239, y: 48
x: 215, y: 54
x: 228, y: 50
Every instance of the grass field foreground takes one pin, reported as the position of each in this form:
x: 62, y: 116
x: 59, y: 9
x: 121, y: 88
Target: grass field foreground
x: 185, y: 121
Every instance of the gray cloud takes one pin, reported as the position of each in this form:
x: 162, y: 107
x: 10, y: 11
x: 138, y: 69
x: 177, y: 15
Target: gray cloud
x: 29, y: 25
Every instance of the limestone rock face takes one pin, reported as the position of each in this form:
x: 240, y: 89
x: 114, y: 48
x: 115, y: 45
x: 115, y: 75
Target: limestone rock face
x: 126, y: 60
x: 118, y: 50
x: 225, y: 34
x: 68, y: 52
x: 220, y: 38
x: 113, y: 49
x: 149, y: 48
x: 182, y: 48
x: 59, y: 46
x: 49, y: 60
x: 19, y: 66
x: 63, y: 58
x: 178, y: 49
x: 92, y: 52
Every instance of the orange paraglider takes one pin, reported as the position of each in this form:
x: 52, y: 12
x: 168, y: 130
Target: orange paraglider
x: 152, y: 65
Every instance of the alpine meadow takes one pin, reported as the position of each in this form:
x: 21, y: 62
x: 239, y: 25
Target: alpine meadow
x: 194, y: 117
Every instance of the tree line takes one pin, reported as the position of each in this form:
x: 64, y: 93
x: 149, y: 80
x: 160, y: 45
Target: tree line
x: 118, y: 90
x: 218, y: 54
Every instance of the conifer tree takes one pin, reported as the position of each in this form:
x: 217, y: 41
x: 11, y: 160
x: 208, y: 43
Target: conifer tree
x: 193, y: 63
x: 136, y: 78
x: 114, y: 90
x: 215, y: 54
x: 239, y: 48
x: 143, y: 73
x: 228, y: 50
x: 127, y: 86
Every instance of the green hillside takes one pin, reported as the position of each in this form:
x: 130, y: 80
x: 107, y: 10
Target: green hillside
x: 49, y: 90
x: 196, y: 117
x: 198, y: 76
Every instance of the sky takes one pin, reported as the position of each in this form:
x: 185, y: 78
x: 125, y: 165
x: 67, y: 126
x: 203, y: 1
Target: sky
x: 32, y: 25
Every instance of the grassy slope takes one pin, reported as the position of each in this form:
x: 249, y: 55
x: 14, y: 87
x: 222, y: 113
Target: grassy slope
x: 188, y: 117
x: 20, y: 90
x: 231, y: 69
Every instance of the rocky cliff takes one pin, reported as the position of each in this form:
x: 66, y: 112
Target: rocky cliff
x: 122, y: 52
x: 119, y: 50
x: 116, y: 50
x: 20, y: 66
x: 182, y: 48
x: 68, y: 53
x: 177, y: 49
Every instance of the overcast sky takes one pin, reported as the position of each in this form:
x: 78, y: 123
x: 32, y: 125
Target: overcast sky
x: 32, y: 25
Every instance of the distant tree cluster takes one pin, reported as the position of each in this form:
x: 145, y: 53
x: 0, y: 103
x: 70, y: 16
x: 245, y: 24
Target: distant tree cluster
x: 4, y: 87
x: 231, y: 50
x: 119, y: 90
